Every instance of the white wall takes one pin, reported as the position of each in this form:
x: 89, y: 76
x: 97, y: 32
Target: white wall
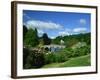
x: 5, y: 40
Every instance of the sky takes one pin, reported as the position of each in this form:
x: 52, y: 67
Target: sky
x: 57, y: 23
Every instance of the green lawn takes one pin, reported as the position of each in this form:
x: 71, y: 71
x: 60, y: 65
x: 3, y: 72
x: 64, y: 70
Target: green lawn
x: 72, y: 62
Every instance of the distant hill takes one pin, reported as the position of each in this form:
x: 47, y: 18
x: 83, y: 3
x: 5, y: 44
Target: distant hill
x: 73, y: 39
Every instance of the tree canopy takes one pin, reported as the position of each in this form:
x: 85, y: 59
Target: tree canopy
x: 31, y: 38
x: 24, y: 31
x: 46, y: 39
x: 73, y: 39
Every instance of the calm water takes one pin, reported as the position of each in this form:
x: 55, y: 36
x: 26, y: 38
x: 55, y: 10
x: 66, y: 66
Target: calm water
x: 52, y: 49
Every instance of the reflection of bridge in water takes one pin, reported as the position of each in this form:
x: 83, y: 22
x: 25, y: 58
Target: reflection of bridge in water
x: 53, y: 47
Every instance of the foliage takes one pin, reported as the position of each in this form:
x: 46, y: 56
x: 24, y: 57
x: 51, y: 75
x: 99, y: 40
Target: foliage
x: 73, y: 39
x: 40, y: 43
x: 25, y: 55
x: 77, y: 61
x: 31, y: 38
x: 61, y: 57
x: 55, y: 57
x: 67, y: 51
x: 56, y: 40
x: 72, y: 62
x: 34, y: 59
x: 81, y: 51
x: 46, y: 39
x: 49, y: 57
x: 24, y: 31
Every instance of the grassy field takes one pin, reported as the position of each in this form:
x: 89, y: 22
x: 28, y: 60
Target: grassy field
x: 72, y: 62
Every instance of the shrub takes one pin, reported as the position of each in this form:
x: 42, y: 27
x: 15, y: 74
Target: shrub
x: 81, y: 51
x: 49, y: 58
x: 67, y: 51
x: 55, y: 57
x: 61, y: 57
x: 37, y: 58
x: 25, y: 55
x: 34, y: 59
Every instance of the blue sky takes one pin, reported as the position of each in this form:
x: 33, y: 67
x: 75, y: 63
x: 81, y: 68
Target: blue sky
x: 57, y: 23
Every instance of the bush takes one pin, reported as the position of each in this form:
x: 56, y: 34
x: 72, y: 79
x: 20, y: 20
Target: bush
x: 25, y: 55
x: 34, y: 59
x: 55, y: 57
x: 37, y: 58
x: 81, y: 51
x: 49, y: 58
x: 67, y: 51
x: 61, y: 57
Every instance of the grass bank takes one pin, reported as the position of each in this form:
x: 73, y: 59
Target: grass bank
x: 72, y: 62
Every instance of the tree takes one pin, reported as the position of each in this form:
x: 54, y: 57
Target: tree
x: 31, y: 38
x: 35, y: 59
x: 57, y: 40
x: 46, y: 39
x: 24, y: 31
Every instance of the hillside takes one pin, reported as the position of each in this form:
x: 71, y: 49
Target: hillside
x: 73, y: 39
x: 77, y: 61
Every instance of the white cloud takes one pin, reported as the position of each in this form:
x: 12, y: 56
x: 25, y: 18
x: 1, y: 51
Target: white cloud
x: 43, y: 25
x: 26, y: 16
x: 40, y: 31
x: 64, y: 33
x: 82, y: 21
x: 79, y: 30
x: 52, y: 37
x: 72, y: 31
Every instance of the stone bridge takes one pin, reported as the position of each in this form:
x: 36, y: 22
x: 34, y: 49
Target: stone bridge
x: 53, y: 47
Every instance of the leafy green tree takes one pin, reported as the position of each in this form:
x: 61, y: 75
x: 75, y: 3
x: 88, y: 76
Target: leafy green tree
x: 46, y: 39
x: 57, y: 40
x: 24, y: 31
x: 31, y: 38
x: 25, y: 55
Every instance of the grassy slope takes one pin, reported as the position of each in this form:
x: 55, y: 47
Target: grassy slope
x: 78, y: 61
